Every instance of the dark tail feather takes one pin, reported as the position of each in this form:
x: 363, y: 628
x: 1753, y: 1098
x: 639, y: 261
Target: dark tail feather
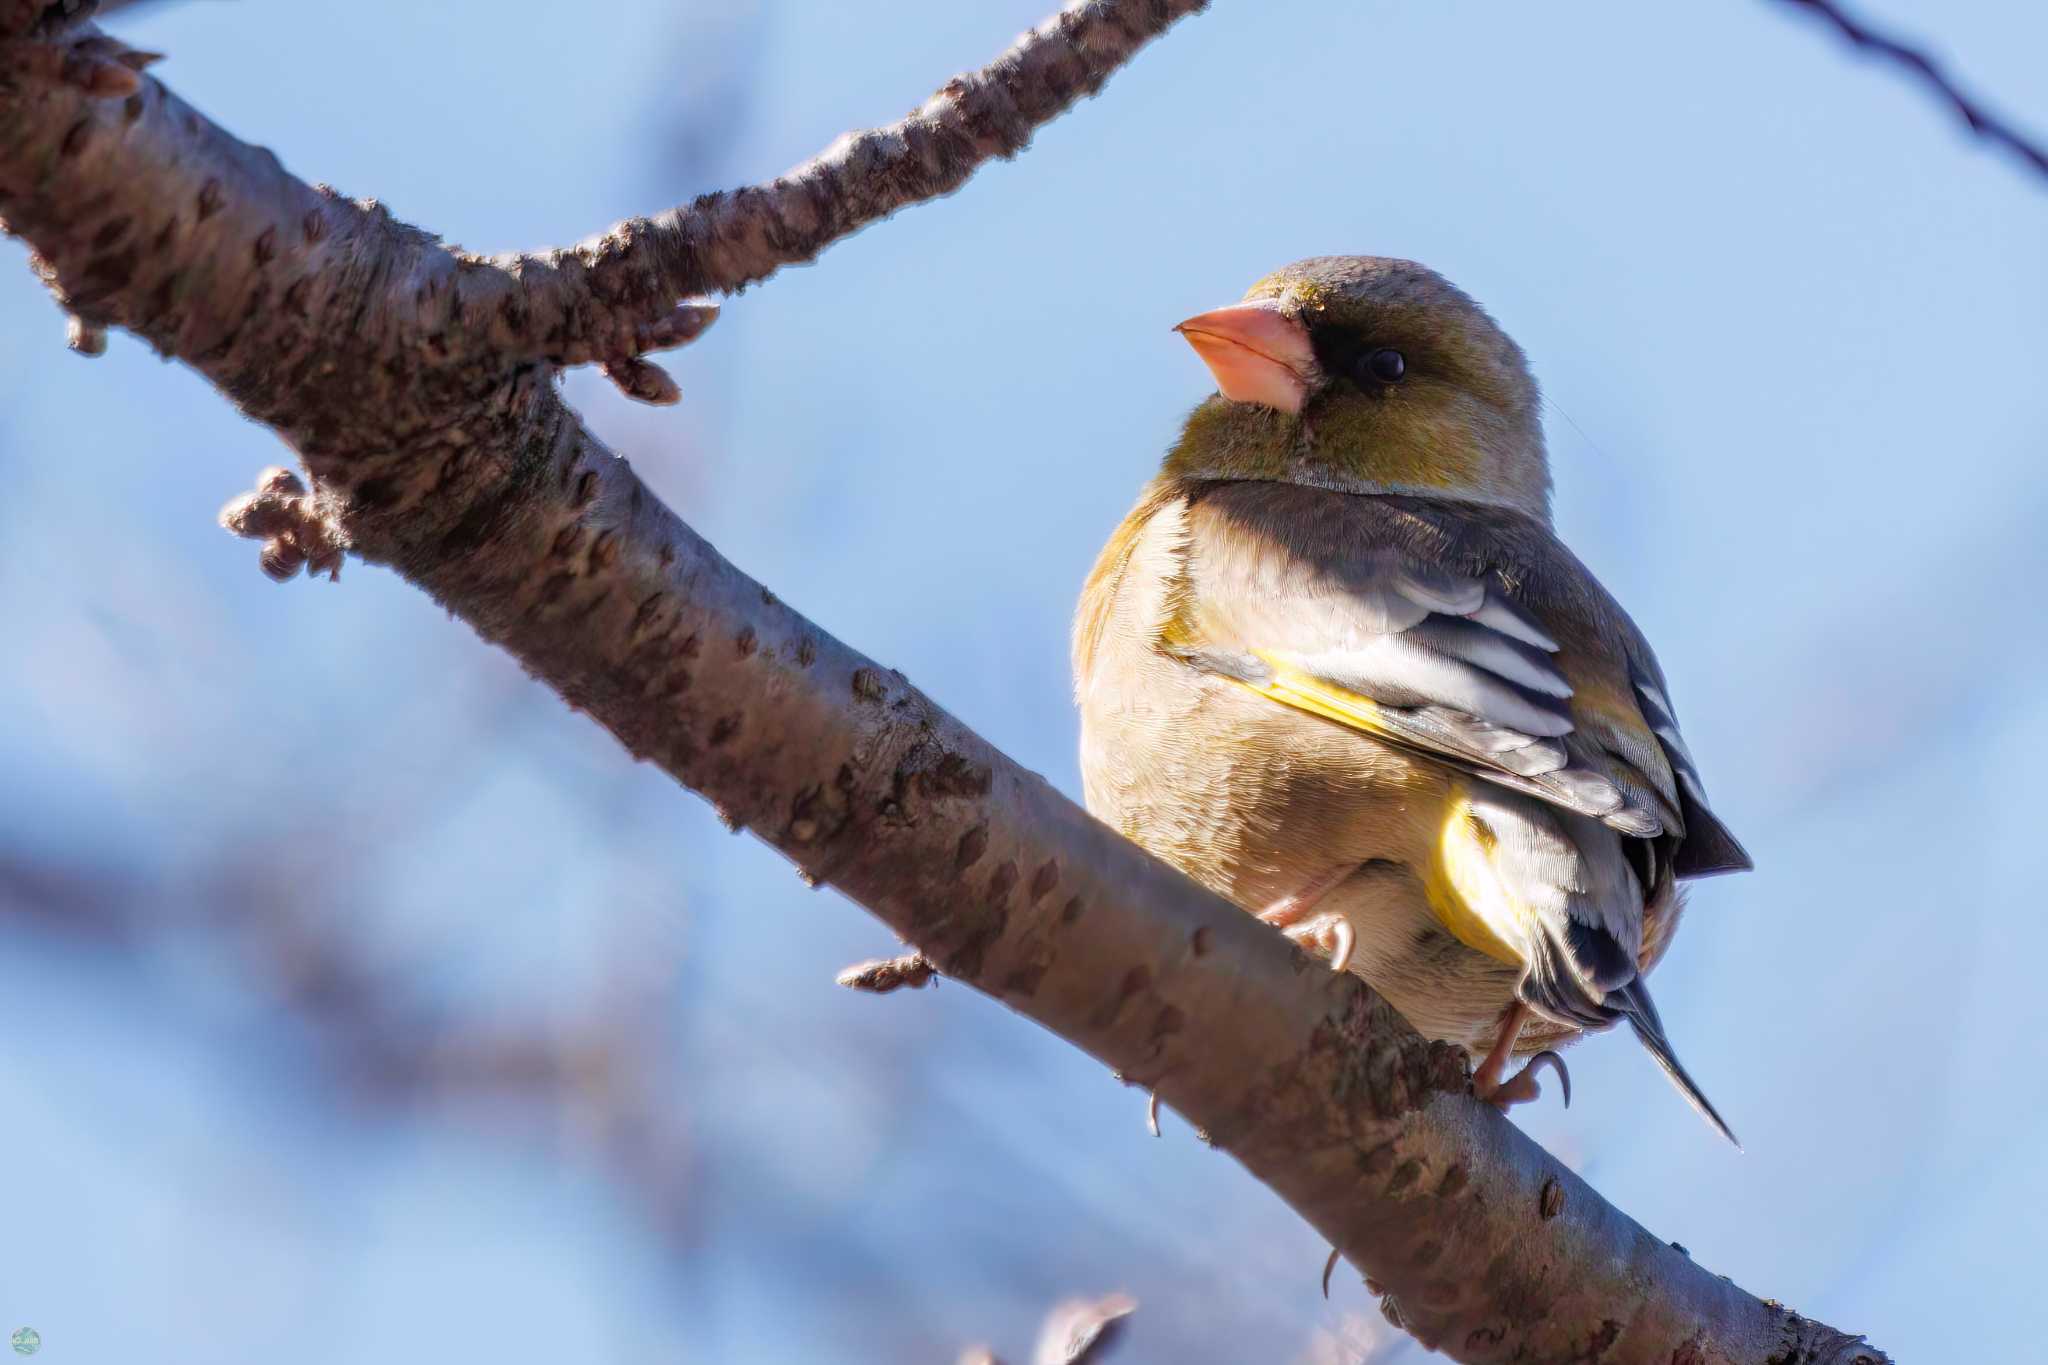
x: 1633, y: 1003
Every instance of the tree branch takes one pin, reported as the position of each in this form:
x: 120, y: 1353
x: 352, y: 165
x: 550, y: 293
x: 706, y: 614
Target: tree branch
x: 436, y: 445
x: 595, y: 301
x: 1980, y: 121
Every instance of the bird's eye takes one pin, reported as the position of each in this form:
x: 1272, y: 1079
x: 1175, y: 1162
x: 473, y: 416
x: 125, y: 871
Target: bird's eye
x: 1386, y: 365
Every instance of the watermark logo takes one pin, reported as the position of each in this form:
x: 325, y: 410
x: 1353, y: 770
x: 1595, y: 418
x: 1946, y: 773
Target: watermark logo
x: 27, y: 1341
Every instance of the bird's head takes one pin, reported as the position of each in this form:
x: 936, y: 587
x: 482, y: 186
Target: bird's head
x: 1365, y: 374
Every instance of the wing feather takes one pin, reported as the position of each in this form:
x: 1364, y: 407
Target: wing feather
x: 1415, y: 652
x: 1482, y: 643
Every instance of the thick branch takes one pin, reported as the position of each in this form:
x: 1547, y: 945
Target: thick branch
x: 460, y: 466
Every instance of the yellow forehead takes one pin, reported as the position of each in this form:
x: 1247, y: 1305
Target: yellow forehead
x: 1305, y: 295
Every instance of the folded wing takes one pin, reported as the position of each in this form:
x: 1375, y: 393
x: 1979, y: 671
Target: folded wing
x: 1432, y: 657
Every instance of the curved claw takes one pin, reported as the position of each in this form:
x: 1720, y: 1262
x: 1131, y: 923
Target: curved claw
x: 1329, y: 1266
x: 1521, y: 1088
x: 1343, y: 939
x: 1564, y: 1077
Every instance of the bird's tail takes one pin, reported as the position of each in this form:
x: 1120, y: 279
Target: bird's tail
x: 1633, y: 1003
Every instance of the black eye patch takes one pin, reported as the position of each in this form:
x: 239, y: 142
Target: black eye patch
x: 1345, y: 351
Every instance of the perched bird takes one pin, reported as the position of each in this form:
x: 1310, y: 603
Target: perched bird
x: 1336, y: 666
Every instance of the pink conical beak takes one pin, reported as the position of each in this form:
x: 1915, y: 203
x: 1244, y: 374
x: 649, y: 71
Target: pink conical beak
x: 1257, y: 354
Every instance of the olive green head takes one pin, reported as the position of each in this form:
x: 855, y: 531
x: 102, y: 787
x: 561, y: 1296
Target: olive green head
x: 1366, y: 374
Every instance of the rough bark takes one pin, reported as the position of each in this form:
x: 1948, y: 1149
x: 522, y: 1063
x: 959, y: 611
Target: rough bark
x: 405, y: 376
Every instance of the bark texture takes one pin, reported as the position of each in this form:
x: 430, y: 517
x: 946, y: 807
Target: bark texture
x: 416, y: 386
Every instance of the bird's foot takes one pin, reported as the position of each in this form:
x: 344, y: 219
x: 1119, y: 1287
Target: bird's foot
x: 1328, y: 933
x: 1504, y: 1094
x: 1521, y: 1087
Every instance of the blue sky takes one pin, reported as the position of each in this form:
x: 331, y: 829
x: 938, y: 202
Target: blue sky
x: 1791, y: 325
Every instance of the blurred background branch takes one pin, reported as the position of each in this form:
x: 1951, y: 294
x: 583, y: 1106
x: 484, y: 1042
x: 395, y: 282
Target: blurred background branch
x: 1075, y: 1332
x: 1917, y: 63
x: 594, y: 1080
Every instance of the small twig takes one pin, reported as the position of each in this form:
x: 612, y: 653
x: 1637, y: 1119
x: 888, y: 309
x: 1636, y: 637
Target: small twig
x: 885, y: 974
x: 638, y: 377
x: 1080, y: 1331
x: 86, y: 338
x: 1981, y: 122
x: 100, y: 66
x: 643, y: 380
x: 595, y: 301
x: 295, y: 534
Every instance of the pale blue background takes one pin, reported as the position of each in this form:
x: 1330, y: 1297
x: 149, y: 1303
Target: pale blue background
x: 1796, y: 320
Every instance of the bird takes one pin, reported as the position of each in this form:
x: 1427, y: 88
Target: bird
x: 1338, y: 667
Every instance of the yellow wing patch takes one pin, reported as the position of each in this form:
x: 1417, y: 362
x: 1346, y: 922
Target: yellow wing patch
x: 1464, y: 888
x: 1297, y: 689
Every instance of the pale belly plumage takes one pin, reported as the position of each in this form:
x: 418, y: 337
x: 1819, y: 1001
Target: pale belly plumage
x: 1268, y: 801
